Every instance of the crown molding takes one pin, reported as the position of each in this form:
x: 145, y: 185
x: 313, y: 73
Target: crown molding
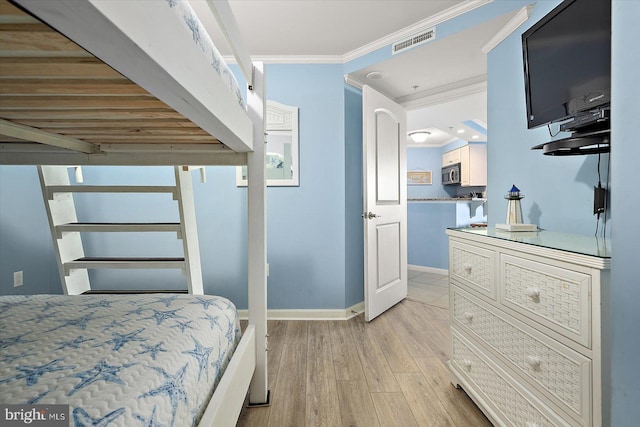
x: 352, y: 81
x: 444, y: 93
x: 514, y: 23
x: 291, y: 59
x: 432, y: 21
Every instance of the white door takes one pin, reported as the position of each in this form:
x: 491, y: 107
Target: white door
x: 385, y: 203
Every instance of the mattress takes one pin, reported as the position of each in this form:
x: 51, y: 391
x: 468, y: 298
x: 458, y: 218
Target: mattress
x: 117, y: 360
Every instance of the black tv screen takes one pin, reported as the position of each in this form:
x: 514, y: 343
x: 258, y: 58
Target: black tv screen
x: 567, y: 61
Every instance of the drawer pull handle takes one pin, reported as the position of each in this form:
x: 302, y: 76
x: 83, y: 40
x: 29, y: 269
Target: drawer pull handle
x: 467, y: 363
x: 468, y: 316
x: 467, y: 268
x: 534, y: 361
x: 533, y: 293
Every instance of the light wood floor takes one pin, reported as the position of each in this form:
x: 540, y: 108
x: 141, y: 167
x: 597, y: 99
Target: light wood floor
x: 389, y: 372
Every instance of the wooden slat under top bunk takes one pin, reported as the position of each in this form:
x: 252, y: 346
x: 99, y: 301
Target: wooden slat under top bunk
x: 54, y: 92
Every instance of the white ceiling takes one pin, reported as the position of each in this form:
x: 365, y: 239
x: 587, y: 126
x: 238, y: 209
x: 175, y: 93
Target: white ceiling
x: 335, y: 30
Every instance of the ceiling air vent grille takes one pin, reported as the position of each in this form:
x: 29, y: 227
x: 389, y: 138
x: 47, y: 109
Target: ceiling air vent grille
x: 413, y: 41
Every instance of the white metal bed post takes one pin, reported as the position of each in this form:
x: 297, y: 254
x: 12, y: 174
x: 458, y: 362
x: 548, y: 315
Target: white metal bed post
x: 257, y: 233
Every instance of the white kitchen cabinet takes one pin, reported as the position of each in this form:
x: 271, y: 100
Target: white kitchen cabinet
x: 526, y: 324
x: 473, y: 165
x: 451, y: 157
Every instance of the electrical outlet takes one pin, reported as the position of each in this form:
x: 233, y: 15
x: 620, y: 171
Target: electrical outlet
x: 17, y: 279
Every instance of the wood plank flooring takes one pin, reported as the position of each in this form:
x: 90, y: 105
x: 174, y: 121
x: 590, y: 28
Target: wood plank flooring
x: 389, y: 372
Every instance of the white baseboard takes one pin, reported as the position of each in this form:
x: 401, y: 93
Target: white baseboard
x: 428, y: 269
x: 310, y: 314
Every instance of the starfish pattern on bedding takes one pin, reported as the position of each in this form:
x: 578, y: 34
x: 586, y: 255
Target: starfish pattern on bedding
x: 173, y: 388
x: 82, y: 419
x: 206, y: 302
x: 97, y: 304
x: 49, y: 305
x: 137, y: 311
x: 194, y: 26
x: 166, y: 301
x: 151, y: 421
x: 172, y: 3
x: 35, y: 399
x: 119, y: 340
x: 201, y: 354
x: 9, y: 358
x: 32, y: 373
x: 183, y: 325
x: 153, y: 350
x: 115, y: 324
x: 80, y: 322
x: 102, y: 371
x: 161, y: 316
x: 218, y: 363
x: 213, y: 320
x: 73, y: 343
x: 7, y: 342
x: 42, y: 317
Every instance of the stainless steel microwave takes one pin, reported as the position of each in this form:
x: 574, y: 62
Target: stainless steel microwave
x: 451, y: 174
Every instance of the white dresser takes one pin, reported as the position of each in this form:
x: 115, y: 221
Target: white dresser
x: 525, y: 324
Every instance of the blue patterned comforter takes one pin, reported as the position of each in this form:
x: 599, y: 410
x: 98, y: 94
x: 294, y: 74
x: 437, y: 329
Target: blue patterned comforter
x: 117, y: 360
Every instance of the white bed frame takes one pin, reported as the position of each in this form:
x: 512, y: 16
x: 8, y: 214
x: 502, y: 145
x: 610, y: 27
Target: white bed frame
x: 145, y: 52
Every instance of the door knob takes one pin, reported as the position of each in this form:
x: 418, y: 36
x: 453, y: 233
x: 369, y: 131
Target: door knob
x: 370, y: 215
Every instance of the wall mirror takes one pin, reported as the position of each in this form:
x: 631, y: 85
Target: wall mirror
x: 282, y: 147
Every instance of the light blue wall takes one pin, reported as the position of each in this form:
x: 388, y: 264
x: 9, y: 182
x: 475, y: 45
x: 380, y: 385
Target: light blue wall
x: 625, y: 153
x: 426, y: 237
x: 558, y: 190
x: 426, y: 159
x: 306, y: 224
x: 25, y: 239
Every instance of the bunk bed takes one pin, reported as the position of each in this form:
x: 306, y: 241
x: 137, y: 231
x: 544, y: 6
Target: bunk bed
x: 97, y: 82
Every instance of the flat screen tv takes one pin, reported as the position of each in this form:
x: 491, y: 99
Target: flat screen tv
x: 567, y: 65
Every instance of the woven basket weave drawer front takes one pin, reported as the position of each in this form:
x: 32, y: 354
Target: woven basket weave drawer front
x: 561, y: 371
x: 556, y: 297
x: 509, y: 399
x: 473, y: 266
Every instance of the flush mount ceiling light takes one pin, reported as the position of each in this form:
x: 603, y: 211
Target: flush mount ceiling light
x: 419, y: 135
x: 460, y: 130
x: 475, y: 137
x: 375, y: 75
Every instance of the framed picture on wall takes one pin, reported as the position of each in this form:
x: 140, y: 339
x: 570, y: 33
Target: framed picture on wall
x: 419, y: 177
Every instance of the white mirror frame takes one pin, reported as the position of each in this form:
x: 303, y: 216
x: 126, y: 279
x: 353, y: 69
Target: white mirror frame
x: 280, y: 120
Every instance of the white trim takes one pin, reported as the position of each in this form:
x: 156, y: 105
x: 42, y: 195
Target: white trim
x: 431, y: 21
x: 292, y: 59
x: 444, y: 93
x: 423, y: 269
x: 311, y: 314
x: 352, y: 81
x: 513, y: 24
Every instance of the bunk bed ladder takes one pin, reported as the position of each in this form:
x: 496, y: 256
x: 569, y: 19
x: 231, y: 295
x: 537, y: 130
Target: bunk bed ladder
x: 73, y: 265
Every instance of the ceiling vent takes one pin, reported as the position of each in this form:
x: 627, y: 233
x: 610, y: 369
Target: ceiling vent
x: 415, y: 40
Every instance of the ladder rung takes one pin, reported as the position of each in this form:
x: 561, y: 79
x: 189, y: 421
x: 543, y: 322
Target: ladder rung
x: 123, y: 263
x: 52, y: 189
x: 118, y: 227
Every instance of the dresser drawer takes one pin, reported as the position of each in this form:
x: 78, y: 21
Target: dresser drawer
x: 474, y: 267
x: 564, y: 374
x: 558, y: 298
x: 516, y: 406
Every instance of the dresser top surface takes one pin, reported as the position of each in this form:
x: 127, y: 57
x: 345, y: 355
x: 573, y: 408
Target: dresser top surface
x: 576, y: 243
